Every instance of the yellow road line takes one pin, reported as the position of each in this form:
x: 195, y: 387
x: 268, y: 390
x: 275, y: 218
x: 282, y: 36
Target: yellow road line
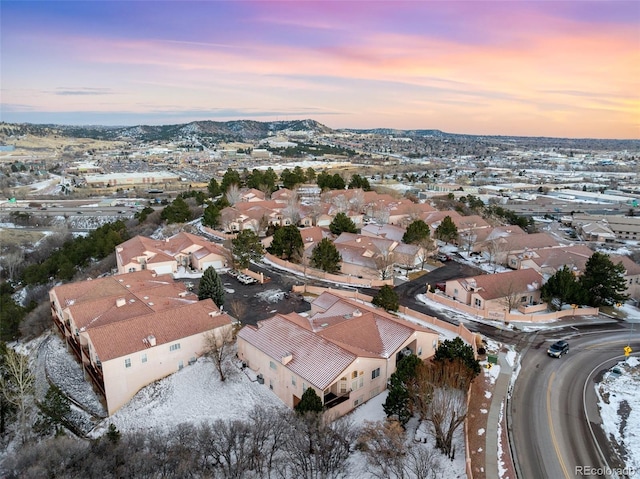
x: 553, y: 435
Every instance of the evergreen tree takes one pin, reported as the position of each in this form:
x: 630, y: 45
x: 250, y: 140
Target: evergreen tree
x: 326, y: 257
x: 451, y: 349
x: 603, y: 282
x: 358, y: 181
x: 416, y: 232
x: 386, y: 298
x: 310, y: 402
x: 342, y: 224
x: 287, y: 242
x: 211, y: 286
x: 562, y: 288
x: 447, y: 231
x: 211, y: 216
x: 54, y: 412
x: 398, y: 402
x: 214, y: 188
x: 177, y: 212
x: 310, y: 174
x: 246, y: 247
x: 113, y: 435
x: 231, y: 177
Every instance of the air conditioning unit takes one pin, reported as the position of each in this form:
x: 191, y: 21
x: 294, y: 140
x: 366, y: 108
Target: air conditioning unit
x: 260, y: 379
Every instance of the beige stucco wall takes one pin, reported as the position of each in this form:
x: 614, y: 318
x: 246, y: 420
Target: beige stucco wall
x: 281, y: 379
x: 121, y: 383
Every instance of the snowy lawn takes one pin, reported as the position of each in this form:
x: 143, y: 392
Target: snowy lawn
x: 619, y: 405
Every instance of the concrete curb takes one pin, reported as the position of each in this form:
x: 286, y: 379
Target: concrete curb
x: 498, y: 401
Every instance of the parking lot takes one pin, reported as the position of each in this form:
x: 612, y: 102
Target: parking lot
x: 250, y: 301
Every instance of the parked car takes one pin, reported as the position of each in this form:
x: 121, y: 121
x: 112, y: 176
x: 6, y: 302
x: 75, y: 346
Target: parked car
x: 558, y: 348
x: 443, y: 257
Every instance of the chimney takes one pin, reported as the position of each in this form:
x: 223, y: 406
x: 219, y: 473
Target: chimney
x: 120, y: 302
x: 357, y: 313
x: 152, y: 340
x: 286, y: 358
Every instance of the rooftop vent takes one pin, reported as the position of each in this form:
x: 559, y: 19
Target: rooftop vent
x: 151, y: 339
x: 286, y: 358
x: 120, y: 302
x: 357, y: 313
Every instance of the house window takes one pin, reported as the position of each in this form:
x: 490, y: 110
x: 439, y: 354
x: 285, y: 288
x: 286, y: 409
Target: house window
x: 272, y: 365
x: 354, y: 375
x: 343, y: 385
x: 523, y: 299
x: 304, y: 387
x: 375, y: 373
x: 180, y: 365
x: 477, y: 302
x: 455, y: 292
x: 174, y: 347
x: 374, y: 392
x: 420, y: 351
x: 271, y: 384
x: 127, y: 363
x: 293, y: 380
x: 144, y: 358
x: 359, y: 400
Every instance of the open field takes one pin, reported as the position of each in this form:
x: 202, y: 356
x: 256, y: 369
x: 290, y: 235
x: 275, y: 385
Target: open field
x: 17, y: 236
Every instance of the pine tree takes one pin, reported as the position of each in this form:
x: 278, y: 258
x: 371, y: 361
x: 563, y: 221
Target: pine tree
x: 447, y: 231
x: 562, y: 288
x: 342, y: 224
x: 416, y: 232
x: 398, y: 402
x: 603, y: 282
x: 386, y: 298
x: 287, y: 242
x: 326, y: 257
x: 246, y: 247
x: 211, y: 286
x: 309, y: 402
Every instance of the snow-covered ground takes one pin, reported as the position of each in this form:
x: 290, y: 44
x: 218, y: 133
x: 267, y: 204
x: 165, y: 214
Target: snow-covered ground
x: 619, y: 405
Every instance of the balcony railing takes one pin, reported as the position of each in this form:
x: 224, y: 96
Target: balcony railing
x: 332, y: 400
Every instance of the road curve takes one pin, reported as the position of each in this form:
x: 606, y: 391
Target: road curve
x: 555, y: 426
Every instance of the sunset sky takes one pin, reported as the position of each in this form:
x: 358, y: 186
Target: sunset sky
x: 540, y: 68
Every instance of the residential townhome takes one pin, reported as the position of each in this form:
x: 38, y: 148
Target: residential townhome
x: 366, y: 256
x: 596, y: 232
x: 165, y: 256
x: 344, y: 350
x: 130, y: 330
x: 497, y: 292
x: 631, y: 275
x: 547, y: 261
x: 251, y: 194
x: 501, y: 248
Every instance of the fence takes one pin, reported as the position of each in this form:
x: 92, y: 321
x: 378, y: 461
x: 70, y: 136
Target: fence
x: 334, y: 278
x: 501, y: 315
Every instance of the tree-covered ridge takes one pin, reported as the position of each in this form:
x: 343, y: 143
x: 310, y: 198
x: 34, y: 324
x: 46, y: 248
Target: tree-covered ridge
x: 63, y: 263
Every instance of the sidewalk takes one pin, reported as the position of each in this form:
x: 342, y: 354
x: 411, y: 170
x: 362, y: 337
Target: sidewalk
x: 498, y: 402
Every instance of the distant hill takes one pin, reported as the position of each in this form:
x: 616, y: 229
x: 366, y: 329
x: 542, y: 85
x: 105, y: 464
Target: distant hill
x: 208, y: 133
x: 212, y: 130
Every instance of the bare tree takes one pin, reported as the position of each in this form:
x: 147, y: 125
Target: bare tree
x: 448, y: 408
x: 12, y: 263
x: 293, y: 209
x: 317, y: 448
x: 510, y: 296
x: 495, y: 248
x: 233, y: 194
x: 427, y: 247
x: 17, y: 386
x: 384, y: 445
x: 357, y: 200
x: 341, y: 203
x: 220, y: 348
x: 238, y: 308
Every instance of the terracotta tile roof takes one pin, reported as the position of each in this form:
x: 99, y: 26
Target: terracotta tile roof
x: 369, y: 335
x: 391, y: 232
x: 529, y: 241
x: 574, y: 256
x: 109, y: 286
x: 126, y: 337
x: 315, y: 359
x: 630, y: 266
x: 500, y: 285
x: 485, y: 234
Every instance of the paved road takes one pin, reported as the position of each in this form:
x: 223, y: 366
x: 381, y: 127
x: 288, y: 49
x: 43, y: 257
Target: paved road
x: 551, y: 421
